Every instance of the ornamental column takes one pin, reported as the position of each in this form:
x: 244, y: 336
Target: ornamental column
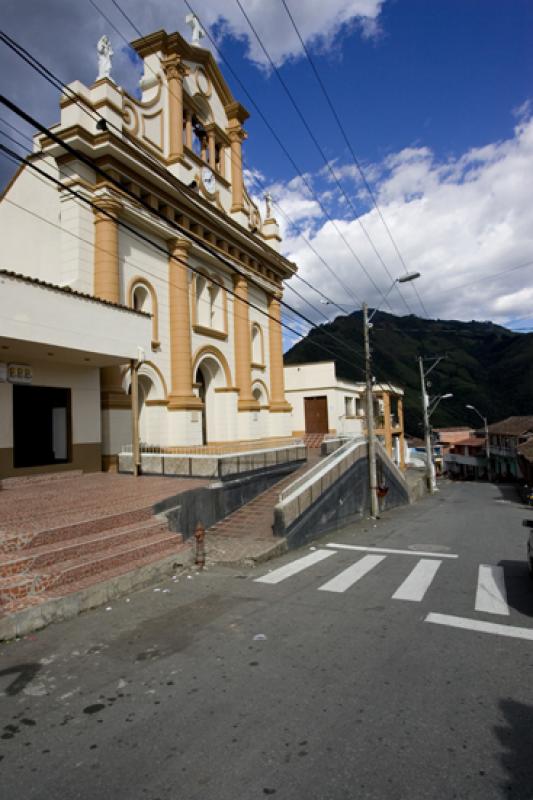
x: 275, y: 340
x: 175, y: 70
x: 211, y: 146
x: 236, y: 137
x: 237, y: 114
x: 242, y: 345
x: 106, y: 277
x: 181, y: 395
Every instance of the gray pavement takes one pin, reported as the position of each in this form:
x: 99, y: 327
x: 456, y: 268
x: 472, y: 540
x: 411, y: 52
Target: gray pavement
x: 221, y: 686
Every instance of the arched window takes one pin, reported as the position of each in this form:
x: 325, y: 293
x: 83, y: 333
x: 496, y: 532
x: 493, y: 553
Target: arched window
x: 142, y: 297
x: 209, y: 304
x: 258, y: 353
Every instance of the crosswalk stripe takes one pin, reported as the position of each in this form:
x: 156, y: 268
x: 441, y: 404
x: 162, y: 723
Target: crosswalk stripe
x: 418, y: 581
x: 351, y: 575
x: 372, y: 549
x: 491, y: 594
x: 478, y: 625
x: 294, y: 567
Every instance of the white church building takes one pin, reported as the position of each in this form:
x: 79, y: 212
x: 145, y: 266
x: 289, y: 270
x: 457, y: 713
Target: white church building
x: 145, y: 253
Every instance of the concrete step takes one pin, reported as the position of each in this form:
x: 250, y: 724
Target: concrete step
x: 125, y: 555
x: 64, y: 533
x: 90, y: 568
x: 34, y: 559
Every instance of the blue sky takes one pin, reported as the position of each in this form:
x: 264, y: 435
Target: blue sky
x: 436, y: 99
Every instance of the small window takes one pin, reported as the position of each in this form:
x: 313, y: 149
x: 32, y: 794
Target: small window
x: 348, y: 406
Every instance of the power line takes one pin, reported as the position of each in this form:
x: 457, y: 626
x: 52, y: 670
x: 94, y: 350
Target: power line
x: 327, y: 162
x: 141, y: 236
x: 298, y: 171
x: 350, y: 148
x: 61, y: 86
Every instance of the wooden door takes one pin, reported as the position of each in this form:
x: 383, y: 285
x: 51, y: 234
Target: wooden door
x: 316, y: 414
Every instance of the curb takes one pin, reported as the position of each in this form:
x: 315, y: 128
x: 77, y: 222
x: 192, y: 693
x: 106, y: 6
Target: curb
x: 63, y: 608
x: 251, y: 560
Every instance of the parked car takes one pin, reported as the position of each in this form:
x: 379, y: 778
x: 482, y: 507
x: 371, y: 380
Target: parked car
x: 528, y: 523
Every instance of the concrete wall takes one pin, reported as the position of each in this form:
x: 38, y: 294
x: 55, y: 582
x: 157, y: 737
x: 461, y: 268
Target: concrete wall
x: 346, y: 500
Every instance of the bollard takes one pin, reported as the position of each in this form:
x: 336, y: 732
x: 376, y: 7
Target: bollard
x: 199, y: 535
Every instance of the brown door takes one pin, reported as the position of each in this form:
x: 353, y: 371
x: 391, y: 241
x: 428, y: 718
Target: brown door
x: 316, y: 414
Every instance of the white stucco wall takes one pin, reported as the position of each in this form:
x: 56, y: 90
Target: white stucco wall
x: 31, y: 245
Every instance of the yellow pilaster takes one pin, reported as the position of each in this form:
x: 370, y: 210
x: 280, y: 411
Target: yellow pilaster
x: 242, y: 345
x: 387, y: 423
x: 106, y: 264
x: 106, y: 286
x: 181, y: 394
x: 211, y: 146
x: 275, y: 339
x: 188, y: 129
x: 175, y: 70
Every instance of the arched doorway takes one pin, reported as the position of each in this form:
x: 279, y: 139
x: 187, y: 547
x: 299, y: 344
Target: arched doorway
x: 208, y: 377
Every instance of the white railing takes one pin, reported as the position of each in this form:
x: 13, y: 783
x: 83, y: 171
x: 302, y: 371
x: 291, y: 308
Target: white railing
x: 320, y: 469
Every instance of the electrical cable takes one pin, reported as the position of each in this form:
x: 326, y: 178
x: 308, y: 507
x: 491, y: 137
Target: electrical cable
x: 350, y: 148
x: 297, y: 169
x: 184, y: 233
x: 59, y: 85
x: 327, y: 161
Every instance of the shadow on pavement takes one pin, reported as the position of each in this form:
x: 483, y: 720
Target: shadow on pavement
x: 511, y: 493
x: 519, y: 587
x: 516, y: 739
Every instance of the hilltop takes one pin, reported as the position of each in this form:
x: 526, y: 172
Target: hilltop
x: 487, y: 365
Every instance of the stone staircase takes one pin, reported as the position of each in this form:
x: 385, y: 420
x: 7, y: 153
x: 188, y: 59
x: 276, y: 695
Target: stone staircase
x: 62, y: 560
x: 59, y: 537
x: 313, y: 440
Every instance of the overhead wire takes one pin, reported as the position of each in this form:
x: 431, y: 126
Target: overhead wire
x: 327, y: 162
x: 345, y: 288
x: 61, y: 86
x: 146, y: 239
x: 350, y: 148
x: 297, y: 169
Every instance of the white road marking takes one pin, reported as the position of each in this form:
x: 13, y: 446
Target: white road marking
x: 294, y: 567
x: 388, y: 550
x: 351, y: 575
x: 512, y: 631
x: 491, y: 595
x: 418, y: 581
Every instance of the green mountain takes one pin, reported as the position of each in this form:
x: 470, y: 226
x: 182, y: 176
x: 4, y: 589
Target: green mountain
x: 487, y: 365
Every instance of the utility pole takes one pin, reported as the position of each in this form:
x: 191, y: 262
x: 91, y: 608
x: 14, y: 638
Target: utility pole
x: 431, y: 480
x: 372, y: 470
x: 428, y: 407
x: 135, y: 454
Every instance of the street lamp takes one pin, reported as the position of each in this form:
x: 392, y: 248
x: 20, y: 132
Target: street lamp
x: 487, y: 443
x: 372, y: 468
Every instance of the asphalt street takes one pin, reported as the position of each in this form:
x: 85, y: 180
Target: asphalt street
x: 399, y: 670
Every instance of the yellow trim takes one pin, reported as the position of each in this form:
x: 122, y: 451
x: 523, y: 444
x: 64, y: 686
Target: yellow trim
x: 138, y: 280
x: 207, y: 350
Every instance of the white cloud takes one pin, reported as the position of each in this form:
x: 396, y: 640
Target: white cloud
x: 454, y: 221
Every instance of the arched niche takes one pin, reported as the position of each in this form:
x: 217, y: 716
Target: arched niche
x: 142, y: 296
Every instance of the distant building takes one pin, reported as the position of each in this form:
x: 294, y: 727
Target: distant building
x: 507, y: 439
x: 467, y: 459
x: 324, y: 404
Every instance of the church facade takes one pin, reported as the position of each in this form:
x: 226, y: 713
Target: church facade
x: 149, y: 212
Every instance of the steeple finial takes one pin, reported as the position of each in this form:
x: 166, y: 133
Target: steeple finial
x: 196, y: 29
